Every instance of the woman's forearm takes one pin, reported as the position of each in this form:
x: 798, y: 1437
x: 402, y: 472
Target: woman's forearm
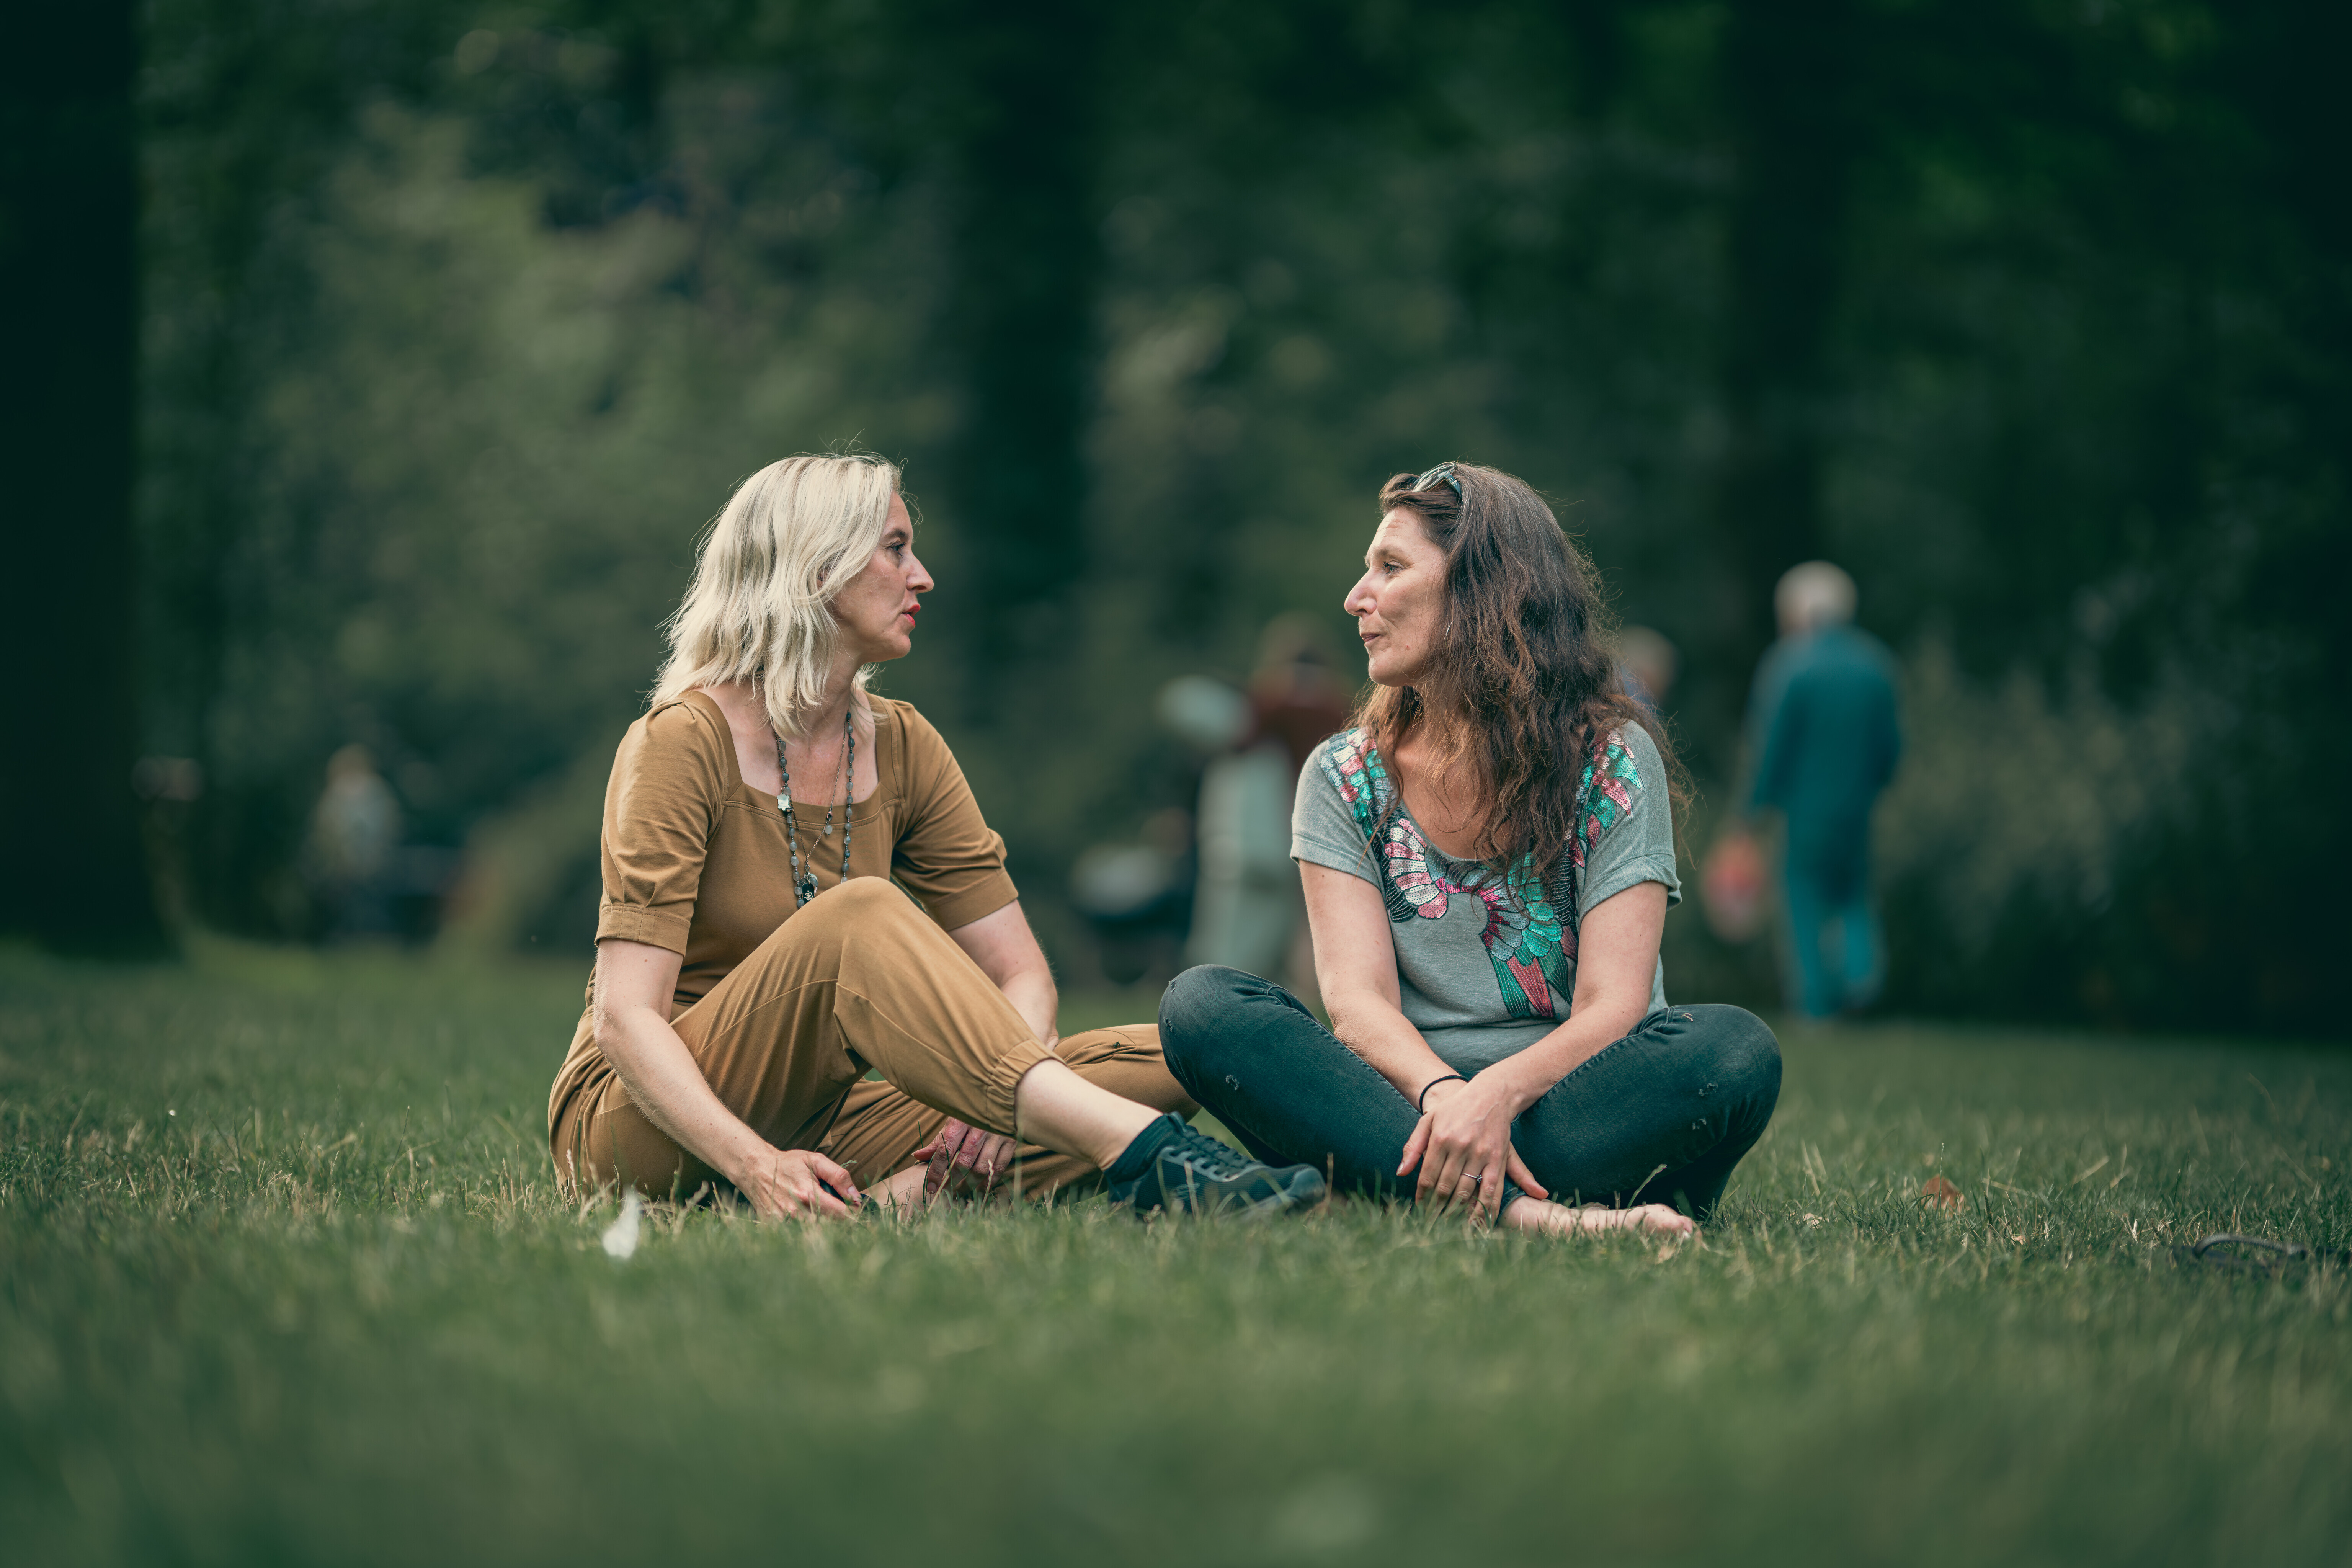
x: 662, y: 1077
x: 1007, y: 953
x: 1034, y: 996
x: 1386, y: 1039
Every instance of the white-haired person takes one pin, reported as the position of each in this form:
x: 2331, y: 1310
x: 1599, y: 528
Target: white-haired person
x: 799, y: 888
x: 1823, y: 738
x: 1488, y: 855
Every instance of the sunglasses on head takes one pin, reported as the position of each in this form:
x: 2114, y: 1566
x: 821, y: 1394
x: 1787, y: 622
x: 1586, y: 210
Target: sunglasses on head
x: 1441, y: 474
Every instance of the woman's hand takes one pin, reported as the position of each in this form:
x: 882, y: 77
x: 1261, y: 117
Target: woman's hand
x: 1463, y: 1145
x: 790, y: 1183
x: 963, y: 1156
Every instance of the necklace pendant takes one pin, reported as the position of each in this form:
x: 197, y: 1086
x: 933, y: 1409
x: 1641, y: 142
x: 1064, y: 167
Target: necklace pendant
x: 807, y: 887
x: 783, y: 803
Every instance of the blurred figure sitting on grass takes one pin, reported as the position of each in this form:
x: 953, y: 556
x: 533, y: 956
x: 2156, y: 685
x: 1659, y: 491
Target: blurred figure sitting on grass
x: 1823, y: 739
x: 754, y: 960
x: 1488, y: 857
x: 355, y: 832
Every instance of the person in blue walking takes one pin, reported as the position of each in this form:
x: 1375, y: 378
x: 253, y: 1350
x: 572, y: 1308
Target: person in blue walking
x: 1824, y: 734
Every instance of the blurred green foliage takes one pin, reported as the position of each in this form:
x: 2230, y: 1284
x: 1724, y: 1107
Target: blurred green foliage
x: 460, y: 319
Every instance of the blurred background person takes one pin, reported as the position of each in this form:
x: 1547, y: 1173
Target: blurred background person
x: 1824, y: 733
x: 355, y: 833
x: 1647, y: 663
x: 1137, y: 898
x: 1247, y: 911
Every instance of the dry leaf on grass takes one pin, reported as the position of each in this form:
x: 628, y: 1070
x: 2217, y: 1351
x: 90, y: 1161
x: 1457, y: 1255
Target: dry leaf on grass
x: 1940, y: 1192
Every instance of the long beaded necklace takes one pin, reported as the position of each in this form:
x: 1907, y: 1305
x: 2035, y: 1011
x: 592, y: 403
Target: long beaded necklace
x: 804, y: 883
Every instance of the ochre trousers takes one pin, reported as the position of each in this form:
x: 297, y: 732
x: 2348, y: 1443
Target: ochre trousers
x: 858, y: 979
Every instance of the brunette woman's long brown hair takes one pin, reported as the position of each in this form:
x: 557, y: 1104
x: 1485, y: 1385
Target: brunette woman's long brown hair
x: 1523, y: 687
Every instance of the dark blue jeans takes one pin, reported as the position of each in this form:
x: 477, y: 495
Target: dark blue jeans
x: 1661, y: 1116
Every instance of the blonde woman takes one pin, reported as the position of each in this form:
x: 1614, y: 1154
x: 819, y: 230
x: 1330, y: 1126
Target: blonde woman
x: 798, y: 887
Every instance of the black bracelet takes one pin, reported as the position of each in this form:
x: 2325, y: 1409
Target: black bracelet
x: 1433, y: 1083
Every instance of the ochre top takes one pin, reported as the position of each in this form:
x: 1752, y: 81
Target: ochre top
x: 695, y: 859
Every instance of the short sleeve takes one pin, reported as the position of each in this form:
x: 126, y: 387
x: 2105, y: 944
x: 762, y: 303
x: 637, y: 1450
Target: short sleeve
x: 660, y: 808
x: 1635, y: 840
x: 946, y: 855
x: 1323, y: 827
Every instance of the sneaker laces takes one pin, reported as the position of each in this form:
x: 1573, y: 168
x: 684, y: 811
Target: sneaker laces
x: 1209, y: 1156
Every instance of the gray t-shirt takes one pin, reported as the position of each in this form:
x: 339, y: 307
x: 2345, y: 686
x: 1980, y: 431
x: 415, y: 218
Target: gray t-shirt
x: 1487, y: 965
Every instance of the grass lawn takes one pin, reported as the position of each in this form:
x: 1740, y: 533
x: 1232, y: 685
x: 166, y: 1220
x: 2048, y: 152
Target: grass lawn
x: 283, y: 1279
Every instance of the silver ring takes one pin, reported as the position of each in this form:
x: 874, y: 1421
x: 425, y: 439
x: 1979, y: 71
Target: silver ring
x: 1474, y: 1177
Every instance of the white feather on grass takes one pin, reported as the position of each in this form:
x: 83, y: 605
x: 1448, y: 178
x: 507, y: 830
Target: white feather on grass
x: 621, y: 1236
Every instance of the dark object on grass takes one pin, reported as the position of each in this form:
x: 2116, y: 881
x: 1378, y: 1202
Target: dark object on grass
x: 2255, y: 1255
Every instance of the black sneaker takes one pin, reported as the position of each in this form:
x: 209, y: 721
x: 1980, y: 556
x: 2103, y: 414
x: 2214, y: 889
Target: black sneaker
x: 1192, y: 1172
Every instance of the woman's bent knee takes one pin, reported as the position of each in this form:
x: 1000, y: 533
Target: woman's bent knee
x: 1747, y: 1055
x: 863, y: 906
x: 1196, y: 1008
x: 862, y: 900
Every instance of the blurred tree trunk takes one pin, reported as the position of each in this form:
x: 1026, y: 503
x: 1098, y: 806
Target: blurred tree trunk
x: 1021, y: 322
x: 68, y: 275
x: 1788, y: 86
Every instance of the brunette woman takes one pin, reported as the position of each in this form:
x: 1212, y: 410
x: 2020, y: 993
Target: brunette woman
x: 1488, y: 858
x: 799, y: 886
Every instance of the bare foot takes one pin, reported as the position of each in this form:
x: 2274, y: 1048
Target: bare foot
x: 1539, y: 1217
x: 902, y: 1194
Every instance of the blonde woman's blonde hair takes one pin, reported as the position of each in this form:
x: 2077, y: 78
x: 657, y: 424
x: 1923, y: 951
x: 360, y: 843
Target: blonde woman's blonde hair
x: 760, y: 606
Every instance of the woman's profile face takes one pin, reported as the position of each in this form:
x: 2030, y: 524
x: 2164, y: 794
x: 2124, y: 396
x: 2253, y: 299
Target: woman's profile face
x: 1399, y: 602
x: 878, y: 610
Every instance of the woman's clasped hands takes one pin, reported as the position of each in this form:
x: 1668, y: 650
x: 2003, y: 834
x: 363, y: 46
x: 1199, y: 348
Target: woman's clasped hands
x: 964, y: 1158
x: 1463, y: 1146
x: 800, y: 1184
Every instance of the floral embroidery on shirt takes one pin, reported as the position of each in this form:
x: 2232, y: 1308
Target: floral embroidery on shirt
x: 1531, y: 946
x: 1600, y: 809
